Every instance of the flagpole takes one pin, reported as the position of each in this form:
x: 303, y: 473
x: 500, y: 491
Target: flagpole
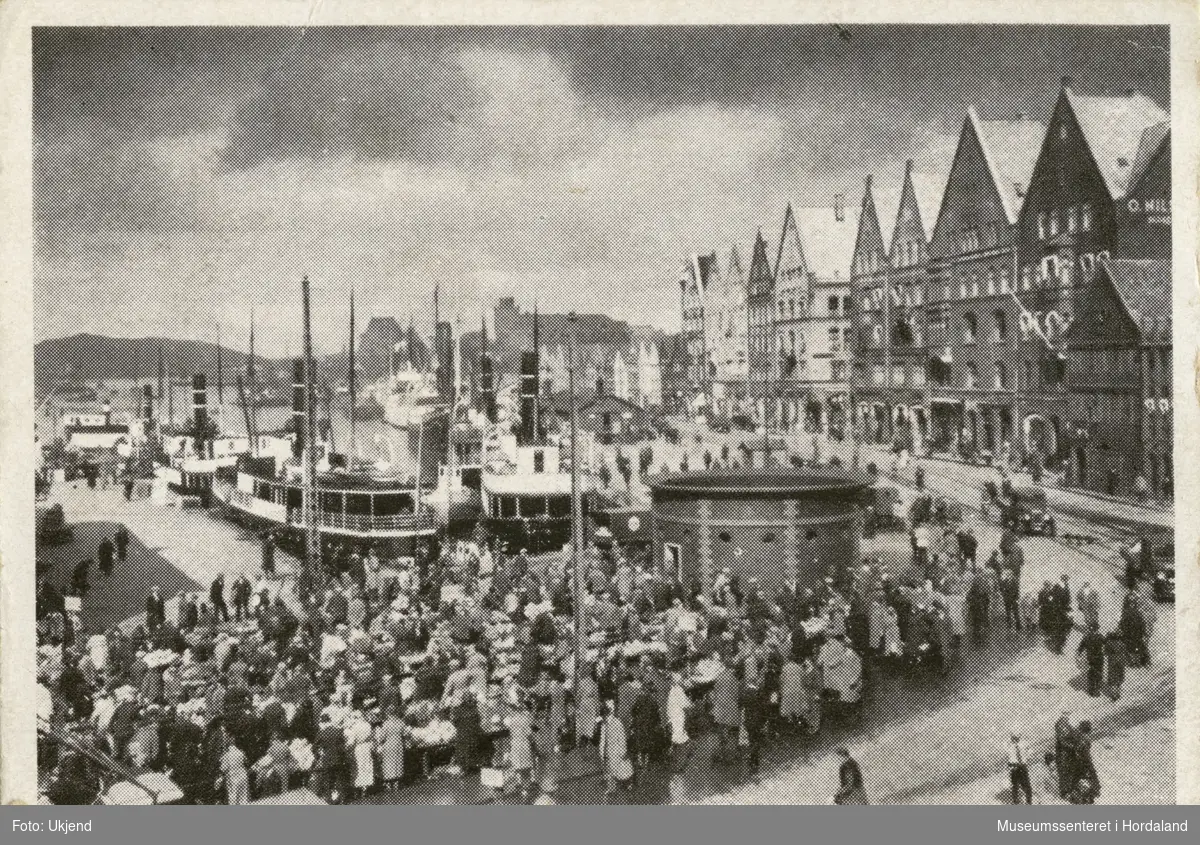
x: 353, y: 387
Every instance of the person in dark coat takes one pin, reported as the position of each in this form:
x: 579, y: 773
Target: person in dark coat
x: 850, y: 781
x: 1133, y: 630
x: 216, y: 595
x: 329, y: 770
x: 1114, y: 652
x: 1065, y: 759
x: 268, y: 555
x: 156, y: 610
x: 121, y: 540
x: 104, y: 553
x: 1061, y: 614
x: 1087, y: 785
x: 240, y: 594
x: 468, y: 739
x: 646, y: 727
x: 80, y: 577
x: 755, y: 716
x: 1092, y: 649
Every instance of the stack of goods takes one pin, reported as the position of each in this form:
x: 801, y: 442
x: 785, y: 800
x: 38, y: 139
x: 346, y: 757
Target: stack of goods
x: 438, y: 732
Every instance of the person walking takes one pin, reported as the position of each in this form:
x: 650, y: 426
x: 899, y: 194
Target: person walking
x: 1011, y: 596
x: 1091, y: 651
x: 614, y: 753
x: 1133, y: 630
x: 1065, y: 741
x: 850, y: 781
x: 156, y: 612
x: 726, y: 714
x: 755, y: 714
x: 268, y: 555
x: 360, y: 743
x: 240, y: 594
x: 678, y: 704
x: 234, y: 773
x: 104, y: 554
x: 390, y: 739
x: 1114, y: 652
x: 1088, y: 603
x: 1087, y: 785
x: 1018, y: 768
x: 216, y: 595
x: 121, y: 541
x: 520, y: 747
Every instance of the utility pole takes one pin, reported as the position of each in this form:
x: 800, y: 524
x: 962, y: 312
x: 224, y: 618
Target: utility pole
x: 312, y: 538
x: 576, y: 520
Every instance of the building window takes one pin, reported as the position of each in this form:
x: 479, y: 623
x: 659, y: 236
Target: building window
x: 1085, y: 217
x: 834, y: 301
x: 1001, y: 376
x: 970, y: 328
x: 971, y: 376
x: 1054, y: 222
x: 835, y: 340
x: 1001, y: 321
x: 539, y: 461
x: 1072, y: 218
x: 846, y: 304
x: 1043, y: 225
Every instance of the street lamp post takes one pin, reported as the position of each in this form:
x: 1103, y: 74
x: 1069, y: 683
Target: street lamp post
x: 576, y: 528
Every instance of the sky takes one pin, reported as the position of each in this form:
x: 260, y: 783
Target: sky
x: 186, y: 178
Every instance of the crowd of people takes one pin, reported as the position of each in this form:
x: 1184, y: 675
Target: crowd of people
x: 463, y: 661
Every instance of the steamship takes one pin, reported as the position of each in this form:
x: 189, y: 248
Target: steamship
x: 355, y: 503
x: 526, y: 479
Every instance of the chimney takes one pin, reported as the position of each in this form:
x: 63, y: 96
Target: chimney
x: 839, y: 207
x: 299, y: 390
x: 199, y: 401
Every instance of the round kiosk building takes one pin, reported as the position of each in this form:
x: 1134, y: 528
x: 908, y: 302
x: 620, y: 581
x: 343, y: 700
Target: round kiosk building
x: 772, y: 525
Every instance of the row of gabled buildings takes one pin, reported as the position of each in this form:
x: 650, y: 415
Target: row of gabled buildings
x: 1016, y: 301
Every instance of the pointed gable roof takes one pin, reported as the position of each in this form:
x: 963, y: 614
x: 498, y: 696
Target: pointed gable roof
x: 928, y: 189
x: 869, y: 238
x: 760, y: 278
x: 734, y: 274
x: 790, y: 255
x: 1011, y: 149
x: 1114, y: 127
x: 1154, y: 139
x: 829, y: 240
x: 1144, y: 289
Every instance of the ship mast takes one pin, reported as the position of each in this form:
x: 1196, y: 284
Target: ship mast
x: 312, y: 538
x: 353, y: 386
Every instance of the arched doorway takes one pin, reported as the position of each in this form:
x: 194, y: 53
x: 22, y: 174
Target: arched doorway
x: 1041, y: 435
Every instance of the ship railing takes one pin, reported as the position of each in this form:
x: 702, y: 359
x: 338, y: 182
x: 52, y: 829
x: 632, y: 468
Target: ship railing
x: 423, y: 521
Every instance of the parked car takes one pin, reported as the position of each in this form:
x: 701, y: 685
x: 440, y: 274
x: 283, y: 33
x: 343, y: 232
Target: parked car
x: 1026, y: 512
x: 1156, y: 563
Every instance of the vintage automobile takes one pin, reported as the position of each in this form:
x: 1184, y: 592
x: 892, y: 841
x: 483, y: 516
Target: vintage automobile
x: 1153, y: 559
x: 1025, y: 512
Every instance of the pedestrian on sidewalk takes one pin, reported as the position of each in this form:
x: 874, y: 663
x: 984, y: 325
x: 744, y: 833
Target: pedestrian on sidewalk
x: 1018, y: 767
x: 1114, y: 650
x: 850, y: 779
x: 1091, y: 654
x: 121, y: 540
x: 104, y: 553
x: 1064, y: 757
x: 216, y: 594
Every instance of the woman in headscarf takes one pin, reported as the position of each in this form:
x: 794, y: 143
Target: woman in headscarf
x: 389, y: 738
x: 614, y: 752
x: 360, y: 744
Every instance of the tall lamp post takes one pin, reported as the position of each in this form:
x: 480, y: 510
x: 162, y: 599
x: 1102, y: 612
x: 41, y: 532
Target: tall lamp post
x: 576, y: 524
